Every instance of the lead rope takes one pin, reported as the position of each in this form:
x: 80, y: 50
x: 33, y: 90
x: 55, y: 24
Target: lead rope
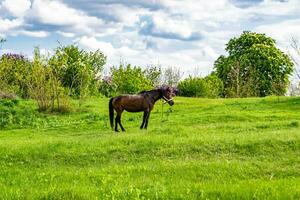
x: 162, y: 105
x: 162, y: 109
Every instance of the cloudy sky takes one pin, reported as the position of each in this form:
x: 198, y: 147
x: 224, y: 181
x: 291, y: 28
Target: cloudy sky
x: 189, y: 34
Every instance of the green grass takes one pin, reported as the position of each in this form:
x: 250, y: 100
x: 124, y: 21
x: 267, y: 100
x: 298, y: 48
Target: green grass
x: 200, y: 149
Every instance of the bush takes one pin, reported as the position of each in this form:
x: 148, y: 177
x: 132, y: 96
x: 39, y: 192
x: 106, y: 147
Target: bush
x: 46, y: 88
x: 15, y: 72
x: 153, y: 74
x: 8, y: 113
x: 210, y: 87
x: 77, y: 69
x: 191, y: 87
x: 129, y: 79
x: 107, y: 87
x: 213, y: 86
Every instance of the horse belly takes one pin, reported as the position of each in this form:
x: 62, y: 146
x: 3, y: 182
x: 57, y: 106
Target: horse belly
x: 132, y: 103
x: 134, y: 108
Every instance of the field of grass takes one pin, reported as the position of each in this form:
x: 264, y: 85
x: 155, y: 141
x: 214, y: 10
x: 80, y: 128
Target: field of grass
x: 199, y: 149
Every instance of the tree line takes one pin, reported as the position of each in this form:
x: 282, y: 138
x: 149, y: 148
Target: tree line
x: 254, y: 66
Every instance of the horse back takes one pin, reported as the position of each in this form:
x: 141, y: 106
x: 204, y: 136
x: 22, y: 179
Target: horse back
x: 131, y: 103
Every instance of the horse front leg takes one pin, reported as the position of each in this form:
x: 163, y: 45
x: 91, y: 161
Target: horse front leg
x: 144, y: 119
x: 147, y: 119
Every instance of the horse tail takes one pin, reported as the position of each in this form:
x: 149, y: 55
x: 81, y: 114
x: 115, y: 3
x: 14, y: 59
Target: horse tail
x: 111, y: 113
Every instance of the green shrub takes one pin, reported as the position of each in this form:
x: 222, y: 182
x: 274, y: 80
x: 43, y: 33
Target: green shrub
x: 77, y: 69
x: 15, y: 72
x: 210, y: 87
x: 191, y: 87
x: 213, y: 86
x: 107, y: 87
x: 46, y: 88
x: 9, y: 114
x: 129, y: 79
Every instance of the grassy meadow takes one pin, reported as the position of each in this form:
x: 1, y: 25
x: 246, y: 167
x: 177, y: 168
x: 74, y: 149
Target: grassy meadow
x: 199, y: 149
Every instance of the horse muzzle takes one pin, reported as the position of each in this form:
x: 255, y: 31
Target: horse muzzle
x: 171, y: 103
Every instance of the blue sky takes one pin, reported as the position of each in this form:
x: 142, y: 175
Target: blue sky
x: 189, y: 34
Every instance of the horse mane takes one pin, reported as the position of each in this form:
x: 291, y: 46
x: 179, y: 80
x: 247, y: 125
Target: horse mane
x: 142, y: 92
x: 149, y: 91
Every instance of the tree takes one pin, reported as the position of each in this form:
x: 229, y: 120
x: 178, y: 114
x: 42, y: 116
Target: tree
x: 107, y: 87
x: 254, y: 67
x: 77, y: 69
x: 294, y: 89
x: 129, y: 79
x: 153, y: 73
x: 45, y: 87
x: 171, y: 76
x: 296, y: 48
x: 15, y: 72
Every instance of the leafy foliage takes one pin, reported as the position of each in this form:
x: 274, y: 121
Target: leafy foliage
x: 45, y: 86
x: 77, y: 69
x: 15, y: 72
x: 129, y: 79
x: 153, y: 74
x: 171, y: 76
x: 14, y: 115
x: 191, y: 87
x: 254, y: 67
x: 107, y: 87
x: 210, y: 86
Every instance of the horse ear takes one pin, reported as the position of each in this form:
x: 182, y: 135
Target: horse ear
x: 175, y: 91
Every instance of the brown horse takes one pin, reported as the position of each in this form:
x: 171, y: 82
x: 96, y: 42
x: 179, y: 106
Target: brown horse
x: 141, y: 102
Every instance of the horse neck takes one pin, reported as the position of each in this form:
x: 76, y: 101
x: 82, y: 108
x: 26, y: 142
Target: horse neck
x: 155, y: 95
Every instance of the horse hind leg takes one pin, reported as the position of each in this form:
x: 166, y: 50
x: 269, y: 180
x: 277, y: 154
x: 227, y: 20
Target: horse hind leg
x: 118, y: 120
x: 116, y: 123
x: 123, y: 129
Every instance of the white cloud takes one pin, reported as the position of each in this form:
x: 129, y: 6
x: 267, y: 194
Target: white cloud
x: 186, y: 59
x: 7, y: 25
x: 39, y: 34
x: 128, y: 16
x: 58, y: 13
x: 214, y: 12
x: 66, y: 34
x: 276, y: 8
x: 282, y: 32
x: 93, y: 44
x: 165, y: 24
x: 17, y: 8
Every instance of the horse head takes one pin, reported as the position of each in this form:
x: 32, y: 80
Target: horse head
x: 168, y: 94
